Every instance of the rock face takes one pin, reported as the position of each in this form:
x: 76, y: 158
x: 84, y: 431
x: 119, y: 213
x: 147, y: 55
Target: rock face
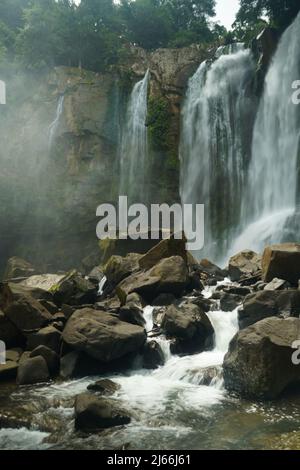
x: 102, y: 335
x: 266, y: 303
x: 93, y: 413
x: 259, y: 361
x: 245, y: 263
x: 282, y: 261
x: 190, y: 327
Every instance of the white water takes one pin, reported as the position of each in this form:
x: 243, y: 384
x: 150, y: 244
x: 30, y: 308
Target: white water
x: 101, y: 285
x: 134, y: 143
x: 54, y: 125
x: 272, y: 180
x: 213, y: 148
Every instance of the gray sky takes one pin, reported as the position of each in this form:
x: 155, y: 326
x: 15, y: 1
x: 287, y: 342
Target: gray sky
x: 225, y: 9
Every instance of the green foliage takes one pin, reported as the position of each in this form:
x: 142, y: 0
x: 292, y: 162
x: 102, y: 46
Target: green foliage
x: 158, y: 122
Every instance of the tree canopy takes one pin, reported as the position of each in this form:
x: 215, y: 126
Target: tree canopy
x: 95, y: 33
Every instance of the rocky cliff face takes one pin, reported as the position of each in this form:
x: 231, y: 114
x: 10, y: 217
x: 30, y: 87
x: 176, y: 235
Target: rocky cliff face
x: 61, y: 135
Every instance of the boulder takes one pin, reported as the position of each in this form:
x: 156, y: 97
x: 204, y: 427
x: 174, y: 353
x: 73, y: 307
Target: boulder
x: 164, y: 299
x: 259, y: 361
x: 101, y: 335
x: 19, y: 290
x: 245, y: 263
x: 23, y: 310
x: 14, y: 354
x: 132, y: 313
x: 93, y: 413
x: 51, y: 358
x: 229, y: 302
x: 212, y: 270
x: 74, y: 289
x: 17, y: 268
x: 33, y: 370
x: 118, y: 267
x: 164, y: 249
x: 282, y: 261
x: 8, y: 332
x: 77, y: 364
x: 153, y: 356
x: 48, y: 336
x: 43, y: 281
x: 190, y: 327
x: 104, y: 386
x: 266, y: 303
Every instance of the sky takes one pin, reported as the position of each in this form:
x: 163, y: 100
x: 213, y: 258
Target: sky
x: 225, y: 9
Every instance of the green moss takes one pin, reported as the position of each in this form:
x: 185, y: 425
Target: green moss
x: 158, y: 122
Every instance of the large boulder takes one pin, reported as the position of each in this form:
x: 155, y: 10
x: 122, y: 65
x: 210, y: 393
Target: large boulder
x: 282, y: 261
x: 47, y: 336
x: 132, y: 313
x: 263, y: 304
x: 190, y: 327
x: 170, y: 275
x: 245, y: 263
x: 164, y: 249
x: 17, y: 268
x: 23, y: 310
x: 259, y: 361
x: 94, y: 413
x: 119, y: 267
x: 102, y: 335
x: 33, y: 370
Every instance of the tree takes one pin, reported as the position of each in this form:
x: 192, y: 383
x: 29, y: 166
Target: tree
x: 279, y: 12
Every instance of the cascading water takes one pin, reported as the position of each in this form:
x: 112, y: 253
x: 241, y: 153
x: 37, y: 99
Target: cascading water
x: 133, y: 158
x: 271, y: 197
x: 215, y: 142
x: 54, y: 125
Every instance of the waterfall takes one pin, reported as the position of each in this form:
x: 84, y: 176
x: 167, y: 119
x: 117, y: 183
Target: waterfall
x: 54, y: 125
x: 215, y: 142
x: 133, y: 158
x: 271, y: 196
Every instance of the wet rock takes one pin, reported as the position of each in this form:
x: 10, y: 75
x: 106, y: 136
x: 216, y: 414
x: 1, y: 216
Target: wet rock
x: 8, y: 370
x: 50, y: 306
x: 104, y: 386
x: 48, y: 336
x: 245, y: 263
x: 102, y: 335
x: 93, y: 413
x: 259, y: 361
x: 33, y: 370
x: 111, y: 305
x: 228, y: 302
x: 51, y: 358
x: 282, y: 261
x: 190, y: 327
x: 263, y: 304
x: 131, y: 313
x: 238, y: 290
x: 277, y: 284
x: 204, y: 304
x: 153, y: 356
x: 23, y: 310
x: 96, y: 275
x: 213, y: 273
x: 170, y: 275
x: 164, y: 299
x: 164, y: 249
x: 208, y: 375
x: 119, y: 267
x: 18, y: 268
